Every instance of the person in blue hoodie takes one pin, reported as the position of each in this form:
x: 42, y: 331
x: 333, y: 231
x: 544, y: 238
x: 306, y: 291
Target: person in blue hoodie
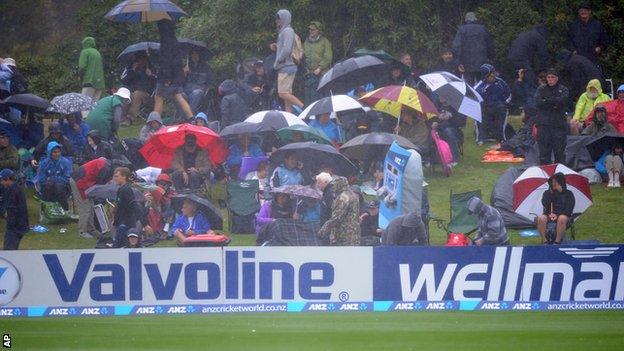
x: 327, y: 126
x: 189, y: 222
x: 53, y: 175
x: 496, y: 94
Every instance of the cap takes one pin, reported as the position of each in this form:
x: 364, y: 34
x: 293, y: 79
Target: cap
x: 9, y: 62
x: 552, y: 71
x: 470, y: 17
x: 133, y: 234
x: 315, y: 25
x: 7, y: 173
x: 123, y: 93
x: 487, y: 69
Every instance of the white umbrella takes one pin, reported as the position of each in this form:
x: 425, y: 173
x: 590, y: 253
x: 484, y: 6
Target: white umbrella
x: 334, y: 103
x: 459, y: 95
x: 274, y: 119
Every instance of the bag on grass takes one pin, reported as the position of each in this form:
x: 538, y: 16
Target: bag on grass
x: 53, y: 213
x: 204, y: 240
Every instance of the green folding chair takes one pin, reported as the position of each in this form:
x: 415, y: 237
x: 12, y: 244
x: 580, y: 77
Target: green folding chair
x: 460, y: 220
x: 242, y: 204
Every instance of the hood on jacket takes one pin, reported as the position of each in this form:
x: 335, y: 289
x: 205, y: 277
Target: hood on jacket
x: 620, y: 88
x: 411, y: 220
x: 284, y: 17
x: 53, y: 145
x: 563, y: 56
x: 475, y: 205
x: 202, y: 116
x: 560, y: 178
x: 88, y: 42
x: 154, y: 116
x: 227, y: 87
x: 339, y: 185
x: 594, y: 83
x: 542, y: 30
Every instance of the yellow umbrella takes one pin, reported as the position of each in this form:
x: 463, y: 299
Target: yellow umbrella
x: 391, y: 99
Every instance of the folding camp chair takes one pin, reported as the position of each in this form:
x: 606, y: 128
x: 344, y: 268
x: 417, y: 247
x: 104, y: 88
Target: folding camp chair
x: 460, y: 220
x: 242, y: 205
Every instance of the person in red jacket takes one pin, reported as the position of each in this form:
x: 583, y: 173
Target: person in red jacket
x: 98, y: 171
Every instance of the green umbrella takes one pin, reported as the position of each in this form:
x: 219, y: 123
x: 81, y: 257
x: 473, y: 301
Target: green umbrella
x: 308, y: 133
x: 380, y: 54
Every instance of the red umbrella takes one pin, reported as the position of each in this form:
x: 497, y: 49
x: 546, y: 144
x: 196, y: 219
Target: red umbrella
x: 529, y: 187
x: 160, y: 148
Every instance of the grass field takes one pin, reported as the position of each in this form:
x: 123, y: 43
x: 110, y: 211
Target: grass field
x: 343, y: 331
x: 603, y: 221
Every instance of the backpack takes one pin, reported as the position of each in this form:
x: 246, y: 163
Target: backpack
x: 53, y: 213
x: 297, y: 50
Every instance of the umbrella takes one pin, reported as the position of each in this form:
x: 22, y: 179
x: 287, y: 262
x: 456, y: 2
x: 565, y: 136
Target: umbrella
x: 149, y: 47
x: 299, y: 191
x: 334, y: 103
x: 188, y: 45
x: 108, y: 192
x: 69, y: 103
x: 308, y: 133
x: 529, y: 187
x: 161, y: 147
x: 212, y: 213
x: 241, y: 128
x: 30, y: 101
x: 373, y: 146
x: 273, y: 120
x: 459, y: 95
x: 315, y: 156
x: 135, y: 11
x: 392, y: 98
x: 351, y: 73
x: 380, y: 54
x: 606, y: 142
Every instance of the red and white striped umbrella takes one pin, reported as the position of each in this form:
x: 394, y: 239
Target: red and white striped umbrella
x: 529, y: 187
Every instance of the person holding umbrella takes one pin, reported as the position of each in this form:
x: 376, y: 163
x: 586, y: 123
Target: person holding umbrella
x: 189, y: 222
x: 288, y: 173
x: 92, y: 69
x: 190, y: 165
x: 413, y: 126
x: 140, y: 79
x: 558, y: 204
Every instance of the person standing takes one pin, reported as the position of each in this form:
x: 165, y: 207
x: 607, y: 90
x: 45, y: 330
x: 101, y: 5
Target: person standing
x: 551, y: 101
x: 343, y: 227
x: 284, y: 65
x: 528, y: 52
x: 92, y: 69
x: 587, y: 36
x: 17, y: 210
x: 126, y: 211
x: 474, y: 47
x: 318, y: 54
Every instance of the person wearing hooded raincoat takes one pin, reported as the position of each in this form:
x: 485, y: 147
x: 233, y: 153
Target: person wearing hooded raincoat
x: 491, y: 227
x: 586, y: 104
x: 53, y: 175
x: 152, y: 125
x: 54, y: 134
x: 528, y: 51
x: 284, y: 64
x: 615, y: 111
x: 92, y: 69
x: 558, y: 203
x: 233, y: 106
x: 343, y: 227
x: 405, y: 230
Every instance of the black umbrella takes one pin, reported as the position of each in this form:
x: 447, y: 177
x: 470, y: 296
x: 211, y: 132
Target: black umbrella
x: 314, y: 156
x: 188, y: 45
x: 351, y: 73
x: 149, y: 47
x: 109, y: 192
x: 242, y: 128
x: 32, y: 102
x: 212, y: 213
x: 599, y: 145
x: 373, y: 146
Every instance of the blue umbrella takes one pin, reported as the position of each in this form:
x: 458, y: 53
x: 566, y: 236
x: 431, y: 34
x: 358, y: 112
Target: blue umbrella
x: 135, y: 11
x: 150, y: 47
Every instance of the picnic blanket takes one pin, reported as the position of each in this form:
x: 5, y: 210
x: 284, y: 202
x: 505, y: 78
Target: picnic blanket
x: 288, y: 232
x: 495, y: 156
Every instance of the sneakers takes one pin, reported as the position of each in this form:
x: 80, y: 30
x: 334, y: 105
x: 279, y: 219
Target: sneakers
x: 616, y: 182
x: 480, y: 143
x: 86, y: 235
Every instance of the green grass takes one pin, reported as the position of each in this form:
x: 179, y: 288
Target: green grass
x: 603, y: 221
x: 596, y: 330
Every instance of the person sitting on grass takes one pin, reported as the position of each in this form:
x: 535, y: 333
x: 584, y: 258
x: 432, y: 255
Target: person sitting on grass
x: 189, y: 222
x: 53, y: 176
x: 558, y: 204
x: 599, y: 125
x: 491, y: 227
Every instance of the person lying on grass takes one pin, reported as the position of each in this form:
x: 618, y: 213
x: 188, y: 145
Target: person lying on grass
x: 190, y: 222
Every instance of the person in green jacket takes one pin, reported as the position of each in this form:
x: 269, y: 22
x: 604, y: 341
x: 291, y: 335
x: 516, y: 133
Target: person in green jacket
x: 318, y: 55
x: 108, y: 113
x: 92, y: 69
x: 585, y: 105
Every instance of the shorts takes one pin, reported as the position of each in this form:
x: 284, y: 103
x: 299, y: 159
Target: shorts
x: 285, y: 82
x: 168, y: 90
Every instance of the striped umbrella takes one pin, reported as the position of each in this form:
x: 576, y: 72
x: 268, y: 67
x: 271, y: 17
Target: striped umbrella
x: 334, y: 103
x: 459, y: 95
x: 135, y: 11
x: 392, y: 98
x: 529, y: 187
x: 351, y: 73
x: 272, y: 120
